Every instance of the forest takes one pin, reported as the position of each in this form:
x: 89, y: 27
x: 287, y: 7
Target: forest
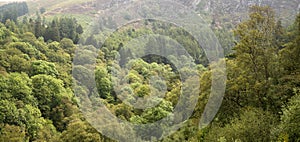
x: 12, y: 11
x: 39, y: 77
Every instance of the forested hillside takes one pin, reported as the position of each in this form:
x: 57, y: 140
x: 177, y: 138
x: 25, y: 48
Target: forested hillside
x: 39, y: 78
x: 37, y: 103
x: 12, y: 11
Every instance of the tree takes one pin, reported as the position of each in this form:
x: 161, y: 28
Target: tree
x: 19, y: 85
x: 257, y: 57
x: 103, y: 82
x: 27, y: 48
x: 252, y: 125
x: 79, y: 29
x: 80, y: 130
x: 9, y: 15
x: 67, y: 45
x: 18, y: 63
x: 6, y: 34
x: 28, y: 37
x: 289, y: 128
x: 9, y: 113
x: 91, y: 40
x: 290, y: 61
x: 30, y: 116
x: 11, y: 25
x: 11, y: 133
x: 280, y: 34
x: 256, y: 47
x: 189, y: 132
x: 52, y: 32
x: 38, y: 28
x: 60, y: 114
x: 69, y: 28
x: 47, y: 132
x: 43, y: 67
x: 48, y: 91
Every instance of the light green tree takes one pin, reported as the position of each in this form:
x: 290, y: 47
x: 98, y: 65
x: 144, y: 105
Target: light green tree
x: 289, y: 127
x: 11, y: 133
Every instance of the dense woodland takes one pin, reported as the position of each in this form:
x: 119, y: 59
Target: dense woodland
x: 37, y: 102
x: 12, y: 11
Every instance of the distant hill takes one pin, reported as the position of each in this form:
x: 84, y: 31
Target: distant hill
x: 59, y: 6
x: 222, y: 12
x: 237, y: 10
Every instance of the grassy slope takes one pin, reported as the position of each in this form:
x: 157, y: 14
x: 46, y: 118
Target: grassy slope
x: 52, y: 6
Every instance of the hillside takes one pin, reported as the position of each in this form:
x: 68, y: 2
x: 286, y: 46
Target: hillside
x: 75, y: 71
x: 226, y: 13
x: 237, y: 10
x: 221, y: 11
x: 54, y: 5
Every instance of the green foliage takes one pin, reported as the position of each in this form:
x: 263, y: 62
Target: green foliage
x: 43, y: 67
x: 189, y: 132
x: 226, y: 39
x: 11, y: 133
x: 47, y: 90
x: 252, y: 125
x: 79, y: 130
x: 55, y: 30
x: 13, y: 60
x: 103, y: 82
x: 9, y: 112
x: 289, y: 61
x: 256, y: 56
x: 37, y: 101
x: 12, y: 11
x: 28, y: 49
x: 19, y: 85
x: 67, y: 45
x: 118, y: 39
x: 289, y: 128
x: 47, y: 132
